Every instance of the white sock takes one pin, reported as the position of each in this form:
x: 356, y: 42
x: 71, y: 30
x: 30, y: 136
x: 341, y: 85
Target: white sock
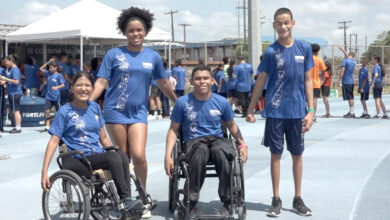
x: 365, y: 112
x: 18, y: 127
x: 351, y: 110
x: 47, y: 127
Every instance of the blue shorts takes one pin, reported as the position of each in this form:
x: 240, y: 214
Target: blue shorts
x: 275, y: 131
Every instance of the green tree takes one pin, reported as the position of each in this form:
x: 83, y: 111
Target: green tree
x: 383, y: 39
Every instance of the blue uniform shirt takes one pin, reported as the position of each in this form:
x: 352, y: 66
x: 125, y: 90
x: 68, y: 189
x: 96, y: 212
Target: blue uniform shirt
x: 129, y: 73
x: 349, y: 65
x: 55, y: 79
x: 243, y: 72
x: 266, y: 81
x: 378, y: 81
x: 31, y: 71
x: 65, y: 71
x: 232, y: 82
x: 14, y: 73
x: 286, y: 67
x: 221, y: 75
x: 180, y: 74
x: 201, y: 118
x: 78, y: 128
x: 363, y: 74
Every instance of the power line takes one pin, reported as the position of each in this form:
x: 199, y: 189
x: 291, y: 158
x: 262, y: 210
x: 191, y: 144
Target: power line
x: 172, y: 30
x: 184, y: 30
x: 345, y: 31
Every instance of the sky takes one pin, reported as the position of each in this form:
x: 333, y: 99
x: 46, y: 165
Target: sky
x: 218, y: 19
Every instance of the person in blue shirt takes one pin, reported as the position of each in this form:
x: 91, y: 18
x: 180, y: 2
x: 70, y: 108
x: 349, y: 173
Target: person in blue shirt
x: 364, y: 88
x: 378, y: 75
x: 166, y: 109
x: 200, y: 115
x: 65, y: 71
x: 126, y: 71
x: 154, y: 100
x: 31, y: 74
x: 14, y: 91
x: 80, y: 125
x: 286, y: 64
x: 55, y: 82
x: 2, y: 96
x: 243, y: 72
x: 221, y: 81
x: 232, y: 93
x: 346, y: 80
x: 180, y: 75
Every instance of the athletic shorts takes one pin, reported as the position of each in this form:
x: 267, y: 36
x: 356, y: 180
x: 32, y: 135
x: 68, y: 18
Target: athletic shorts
x: 377, y: 93
x: 50, y: 103
x: 155, y: 91
x: 364, y: 96
x: 325, y: 91
x: 347, y: 91
x: 14, y: 102
x: 232, y: 93
x: 317, y: 93
x: 264, y: 93
x: 275, y: 131
x: 64, y: 97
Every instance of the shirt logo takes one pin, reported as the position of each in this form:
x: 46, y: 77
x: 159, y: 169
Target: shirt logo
x: 214, y: 112
x: 147, y: 65
x: 299, y: 59
x: 97, y: 117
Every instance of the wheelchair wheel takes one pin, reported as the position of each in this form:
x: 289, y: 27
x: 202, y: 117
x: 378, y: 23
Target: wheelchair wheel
x: 67, y: 198
x: 174, y: 181
x: 179, y: 214
x: 241, y: 212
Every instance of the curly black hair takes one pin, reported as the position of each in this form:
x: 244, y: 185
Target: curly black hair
x: 134, y: 13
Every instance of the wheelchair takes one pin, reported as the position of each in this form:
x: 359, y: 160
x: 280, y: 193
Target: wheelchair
x: 77, y: 197
x: 180, y: 208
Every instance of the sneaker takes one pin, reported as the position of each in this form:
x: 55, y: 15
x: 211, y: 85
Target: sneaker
x: 377, y: 116
x: 225, y: 210
x: 14, y: 131
x: 151, y: 117
x: 237, y: 111
x: 385, y: 117
x: 315, y: 120
x: 276, y: 207
x: 326, y: 116
x: 367, y: 116
x: 196, y: 211
x: 300, y: 208
x: 147, y: 213
x: 158, y: 117
x: 133, y: 205
x: 347, y: 115
x: 45, y: 130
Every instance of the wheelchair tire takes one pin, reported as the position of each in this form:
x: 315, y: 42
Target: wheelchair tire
x: 173, y: 187
x: 241, y: 212
x: 67, y: 198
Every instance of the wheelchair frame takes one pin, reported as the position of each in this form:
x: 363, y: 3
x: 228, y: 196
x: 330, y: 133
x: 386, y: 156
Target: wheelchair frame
x: 237, y: 193
x: 100, y: 199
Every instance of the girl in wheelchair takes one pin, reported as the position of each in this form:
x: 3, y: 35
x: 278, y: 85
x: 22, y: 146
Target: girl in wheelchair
x: 80, y: 125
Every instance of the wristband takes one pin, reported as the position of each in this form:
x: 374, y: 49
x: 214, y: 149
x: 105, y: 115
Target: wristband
x: 311, y: 109
x: 5, y: 78
x: 242, y: 146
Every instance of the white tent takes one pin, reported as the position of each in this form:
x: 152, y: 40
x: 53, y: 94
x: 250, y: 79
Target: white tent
x: 86, y: 20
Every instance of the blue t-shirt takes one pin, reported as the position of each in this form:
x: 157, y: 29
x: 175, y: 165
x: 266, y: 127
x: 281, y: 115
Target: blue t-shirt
x: 232, y: 82
x: 129, y: 73
x: 266, y: 81
x: 55, y: 79
x: 286, y: 67
x: 31, y: 73
x: 79, y: 128
x: 349, y: 65
x: 180, y: 74
x: 214, y: 87
x: 363, y: 74
x: 65, y: 70
x: 243, y: 72
x: 378, y: 82
x: 14, y: 73
x: 201, y: 118
x: 221, y: 75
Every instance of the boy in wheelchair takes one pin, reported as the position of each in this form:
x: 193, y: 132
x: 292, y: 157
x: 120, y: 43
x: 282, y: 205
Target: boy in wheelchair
x: 80, y: 125
x: 199, y: 115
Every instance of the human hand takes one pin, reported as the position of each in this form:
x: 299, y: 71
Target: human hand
x: 169, y: 166
x: 307, y: 122
x: 250, y: 118
x: 244, y: 154
x: 45, y: 182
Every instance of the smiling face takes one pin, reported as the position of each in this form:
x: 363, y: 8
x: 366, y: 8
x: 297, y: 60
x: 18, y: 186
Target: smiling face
x: 82, y: 89
x: 283, y: 25
x: 53, y: 69
x: 135, y: 33
x: 202, y: 81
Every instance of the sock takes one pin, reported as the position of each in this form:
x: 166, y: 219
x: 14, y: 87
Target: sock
x: 351, y: 110
x: 158, y: 112
x: 18, y: 127
x: 151, y: 112
x: 47, y: 127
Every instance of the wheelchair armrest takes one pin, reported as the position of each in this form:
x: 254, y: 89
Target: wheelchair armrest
x: 113, y: 147
x: 75, y: 152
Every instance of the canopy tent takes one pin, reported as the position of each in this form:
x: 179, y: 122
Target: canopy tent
x: 87, y: 21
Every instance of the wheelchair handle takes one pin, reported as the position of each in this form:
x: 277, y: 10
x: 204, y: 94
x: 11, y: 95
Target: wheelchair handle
x: 113, y: 147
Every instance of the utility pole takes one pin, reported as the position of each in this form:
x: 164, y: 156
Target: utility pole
x: 254, y: 32
x: 172, y: 30
x: 345, y: 31
x: 244, y: 8
x: 238, y: 23
x: 185, y: 42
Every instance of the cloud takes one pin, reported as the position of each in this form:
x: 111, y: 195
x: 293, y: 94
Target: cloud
x: 33, y: 11
x: 383, y: 17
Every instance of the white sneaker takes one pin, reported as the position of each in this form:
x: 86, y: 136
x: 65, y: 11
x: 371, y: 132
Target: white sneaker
x: 147, y: 214
x: 158, y: 117
x: 151, y: 117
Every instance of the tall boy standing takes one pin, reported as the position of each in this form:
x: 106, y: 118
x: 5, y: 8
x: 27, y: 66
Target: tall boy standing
x: 287, y: 63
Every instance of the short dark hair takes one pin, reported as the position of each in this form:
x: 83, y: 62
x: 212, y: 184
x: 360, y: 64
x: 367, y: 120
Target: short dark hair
x: 240, y: 58
x: 178, y: 62
x: 315, y: 48
x: 352, y: 54
x: 134, y: 13
x: 281, y: 11
x: 81, y: 74
x: 200, y: 68
x: 61, y: 55
x: 225, y: 60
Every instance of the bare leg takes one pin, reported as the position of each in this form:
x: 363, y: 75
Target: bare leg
x: 118, y: 136
x: 351, y: 104
x: 47, y: 112
x: 18, y: 118
x: 364, y: 105
x: 297, y: 173
x: 275, y: 173
x: 315, y: 105
x: 326, y: 102
x: 383, y: 107
x: 158, y: 102
x: 137, y: 134
x: 378, y: 106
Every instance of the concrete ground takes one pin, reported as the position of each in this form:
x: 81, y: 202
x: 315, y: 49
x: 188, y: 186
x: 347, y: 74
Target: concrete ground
x: 345, y: 177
